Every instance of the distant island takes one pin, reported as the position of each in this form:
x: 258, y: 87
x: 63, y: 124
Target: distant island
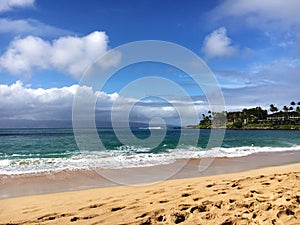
x: 255, y: 118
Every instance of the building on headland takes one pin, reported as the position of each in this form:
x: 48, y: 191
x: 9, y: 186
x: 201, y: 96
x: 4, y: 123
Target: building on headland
x: 284, y: 117
x: 255, y: 118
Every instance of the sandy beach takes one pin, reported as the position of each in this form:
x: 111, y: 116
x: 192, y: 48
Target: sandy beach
x: 263, y: 196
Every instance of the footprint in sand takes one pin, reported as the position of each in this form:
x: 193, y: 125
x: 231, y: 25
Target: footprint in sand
x: 52, y: 216
x: 117, y: 208
x: 184, y: 207
x: 185, y: 194
x: 91, y: 206
x: 161, y: 218
x: 210, y: 185
x: 76, y: 218
x: 196, y: 199
x: 142, y: 216
x: 179, y: 217
x: 155, y: 191
x: 200, y: 208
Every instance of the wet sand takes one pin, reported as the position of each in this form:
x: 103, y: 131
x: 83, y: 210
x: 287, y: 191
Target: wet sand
x: 44, y: 183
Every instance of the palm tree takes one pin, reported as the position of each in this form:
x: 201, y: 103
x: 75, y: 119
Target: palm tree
x: 292, y: 105
x: 273, y: 108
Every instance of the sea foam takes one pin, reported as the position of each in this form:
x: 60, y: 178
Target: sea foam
x: 125, y: 157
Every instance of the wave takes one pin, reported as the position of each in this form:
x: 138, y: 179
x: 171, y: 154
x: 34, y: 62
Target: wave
x: 124, y: 157
x: 151, y: 128
x: 132, y: 149
x: 4, y: 156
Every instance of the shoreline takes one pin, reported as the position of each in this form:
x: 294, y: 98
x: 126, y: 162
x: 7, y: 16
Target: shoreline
x: 73, y: 180
x: 244, y: 128
x: 261, y: 196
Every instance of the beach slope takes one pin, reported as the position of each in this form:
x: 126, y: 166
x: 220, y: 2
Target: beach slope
x: 265, y: 196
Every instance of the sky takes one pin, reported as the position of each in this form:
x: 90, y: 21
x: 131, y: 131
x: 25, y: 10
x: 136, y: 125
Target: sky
x: 252, y: 47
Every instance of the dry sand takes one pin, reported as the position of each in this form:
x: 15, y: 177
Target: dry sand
x: 264, y: 196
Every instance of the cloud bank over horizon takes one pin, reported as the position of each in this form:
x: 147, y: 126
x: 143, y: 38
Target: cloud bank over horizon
x: 253, y: 47
x: 25, y: 103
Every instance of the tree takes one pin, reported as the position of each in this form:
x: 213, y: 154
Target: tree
x: 273, y: 108
x: 292, y: 105
x: 298, y: 109
x: 285, y: 108
x: 205, y: 122
x: 238, y: 124
x: 209, y: 114
x: 298, y: 103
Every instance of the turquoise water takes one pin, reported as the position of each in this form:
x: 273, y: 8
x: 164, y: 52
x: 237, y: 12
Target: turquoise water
x: 39, y: 150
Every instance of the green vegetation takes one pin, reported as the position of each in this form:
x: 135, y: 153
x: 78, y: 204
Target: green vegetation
x: 255, y: 118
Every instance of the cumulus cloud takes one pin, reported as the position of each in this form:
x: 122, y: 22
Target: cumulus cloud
x: 68, y: 54
x: 20, y: 102
x: 73, y: 54
x: 218, y: 44
x: 24, y: 54
x: 30, y: 26
x: 6, y: 5
x: 55, y: 104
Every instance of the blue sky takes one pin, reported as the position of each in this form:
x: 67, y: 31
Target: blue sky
x: 253, y: 48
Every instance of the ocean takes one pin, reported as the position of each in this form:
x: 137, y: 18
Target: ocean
x: 27, y: 151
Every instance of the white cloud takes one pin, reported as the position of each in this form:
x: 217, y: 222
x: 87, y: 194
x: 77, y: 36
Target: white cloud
x: 6, y: 5
x: 72, y: 54
x: 29, y: 26
x: 218, y: 44
x: 19, y: 102
x: 269, y: 81
x: 275, y: 14
x: 273, y: 83
x: 67, y: 54
x: 278, y: 20
x: 24, y: 54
